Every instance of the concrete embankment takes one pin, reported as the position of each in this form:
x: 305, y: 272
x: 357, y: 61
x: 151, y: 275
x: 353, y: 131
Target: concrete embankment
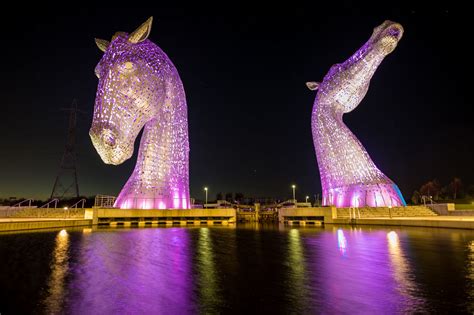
x: 435, y: 222
x: 18, y: 224
x: 115, y: 217
x: 408, y: 216
x: 416, y: 216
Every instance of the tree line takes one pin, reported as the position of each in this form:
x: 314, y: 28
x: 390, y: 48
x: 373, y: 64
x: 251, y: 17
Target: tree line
x: 454, y: 191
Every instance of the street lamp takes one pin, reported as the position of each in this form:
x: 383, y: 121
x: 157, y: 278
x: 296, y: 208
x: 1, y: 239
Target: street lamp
x: 205, y: 189
x: 294, y: 198
x: 307, y: 199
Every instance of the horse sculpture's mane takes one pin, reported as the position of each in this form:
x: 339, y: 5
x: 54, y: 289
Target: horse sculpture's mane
x: 139, y: 87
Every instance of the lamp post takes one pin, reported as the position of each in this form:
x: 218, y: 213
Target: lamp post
x: 307, y: 199
x: 294, y: 199
x: 65, y: 211
x: 205, y: 189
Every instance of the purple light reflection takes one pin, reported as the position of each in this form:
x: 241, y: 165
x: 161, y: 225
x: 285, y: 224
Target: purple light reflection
x: 134, y: 271
x: 361, y: 271
x: 341, y: 242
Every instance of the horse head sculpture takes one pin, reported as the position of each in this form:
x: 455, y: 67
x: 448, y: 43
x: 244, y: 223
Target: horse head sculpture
x: 140, y: 88
x: 349, y: 177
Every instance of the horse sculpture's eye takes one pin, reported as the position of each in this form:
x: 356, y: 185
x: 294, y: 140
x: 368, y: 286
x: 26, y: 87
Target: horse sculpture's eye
x: 127, y: 67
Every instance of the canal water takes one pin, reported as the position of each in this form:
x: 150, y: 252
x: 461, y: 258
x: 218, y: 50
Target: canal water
x: 245, y: 269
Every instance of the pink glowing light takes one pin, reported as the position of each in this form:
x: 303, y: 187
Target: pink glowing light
x: 341, y: 242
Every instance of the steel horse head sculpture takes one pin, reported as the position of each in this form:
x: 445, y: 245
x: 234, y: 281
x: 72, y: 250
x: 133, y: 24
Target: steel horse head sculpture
x: 349, y: 178
x: 139, y: 87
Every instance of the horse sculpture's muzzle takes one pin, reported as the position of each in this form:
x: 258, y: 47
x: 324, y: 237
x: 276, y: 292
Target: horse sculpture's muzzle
x: 106, y: 143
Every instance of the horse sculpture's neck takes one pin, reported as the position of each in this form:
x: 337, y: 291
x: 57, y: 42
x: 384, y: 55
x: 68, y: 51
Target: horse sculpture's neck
x: 160, y: 178
x: 350, y: 163
x: 348, y: 175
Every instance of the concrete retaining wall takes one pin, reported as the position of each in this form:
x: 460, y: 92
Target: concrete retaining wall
x: 328, y: 213
x: 96, y: 214
x: 416, y: 222
x: 449, y: 209
x: 31, y: 224
x: 441, y: 208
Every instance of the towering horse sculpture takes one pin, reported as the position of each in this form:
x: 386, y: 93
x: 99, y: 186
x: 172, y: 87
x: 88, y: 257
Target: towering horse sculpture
x: 139, y: 86
x: 349, y: 178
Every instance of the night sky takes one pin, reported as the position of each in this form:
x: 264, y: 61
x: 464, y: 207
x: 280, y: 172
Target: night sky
x: 244, y: 70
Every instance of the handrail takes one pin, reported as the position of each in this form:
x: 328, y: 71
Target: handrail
x: 104, y: 201
x: 429, y: 198
x: 55, y: 200
x: 83, y: 200
x: 19, y: 203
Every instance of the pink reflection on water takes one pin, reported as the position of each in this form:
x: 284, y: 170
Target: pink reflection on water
x: 341, y: 242
x: 365, y: 279
x: 134, y: 272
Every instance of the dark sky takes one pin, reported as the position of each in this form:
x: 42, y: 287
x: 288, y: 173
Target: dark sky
x: 244, y: 70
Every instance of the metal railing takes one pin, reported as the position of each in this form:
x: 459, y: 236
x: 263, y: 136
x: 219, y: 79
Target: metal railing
x: 55, y: 201
x: 45, y: 211
x: 425, y: 198
x: 77, y: 203
x: 104, y: 201
x: 42, y: 212
x: 21, y: 202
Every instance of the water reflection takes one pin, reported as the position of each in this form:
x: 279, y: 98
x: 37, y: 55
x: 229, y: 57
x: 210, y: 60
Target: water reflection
x: 341, y: 242
x: 470, y: 276
x: 401, y: 271
x: 134, y: 271
x: 207, y: 277
x: 298, y: 294
x: 59, y: 270
x: 273, y: 269
x: 360, y: 279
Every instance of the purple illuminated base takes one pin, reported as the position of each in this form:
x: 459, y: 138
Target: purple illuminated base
x: 379, y: 195
x: 134, y: 202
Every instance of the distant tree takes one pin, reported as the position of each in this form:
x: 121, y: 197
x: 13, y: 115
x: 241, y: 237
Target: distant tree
x: 219, y: 196
x: 239, y: 196
x: 455, y: 186
x: 229, y: 197
x: 431, y: 188
x: 437, y: 190
x: 415, y: 198
x: 470, y: 191
x: 444, y: 192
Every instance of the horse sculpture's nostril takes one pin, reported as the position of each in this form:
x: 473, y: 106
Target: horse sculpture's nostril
x: 108, y: 138
x: 109, y: 141
x: 394, y: 31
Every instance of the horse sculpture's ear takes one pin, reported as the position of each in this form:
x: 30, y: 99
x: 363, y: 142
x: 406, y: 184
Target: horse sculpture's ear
x: 312, y: 85
x: 102, y: 44
x: 142, y: 32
